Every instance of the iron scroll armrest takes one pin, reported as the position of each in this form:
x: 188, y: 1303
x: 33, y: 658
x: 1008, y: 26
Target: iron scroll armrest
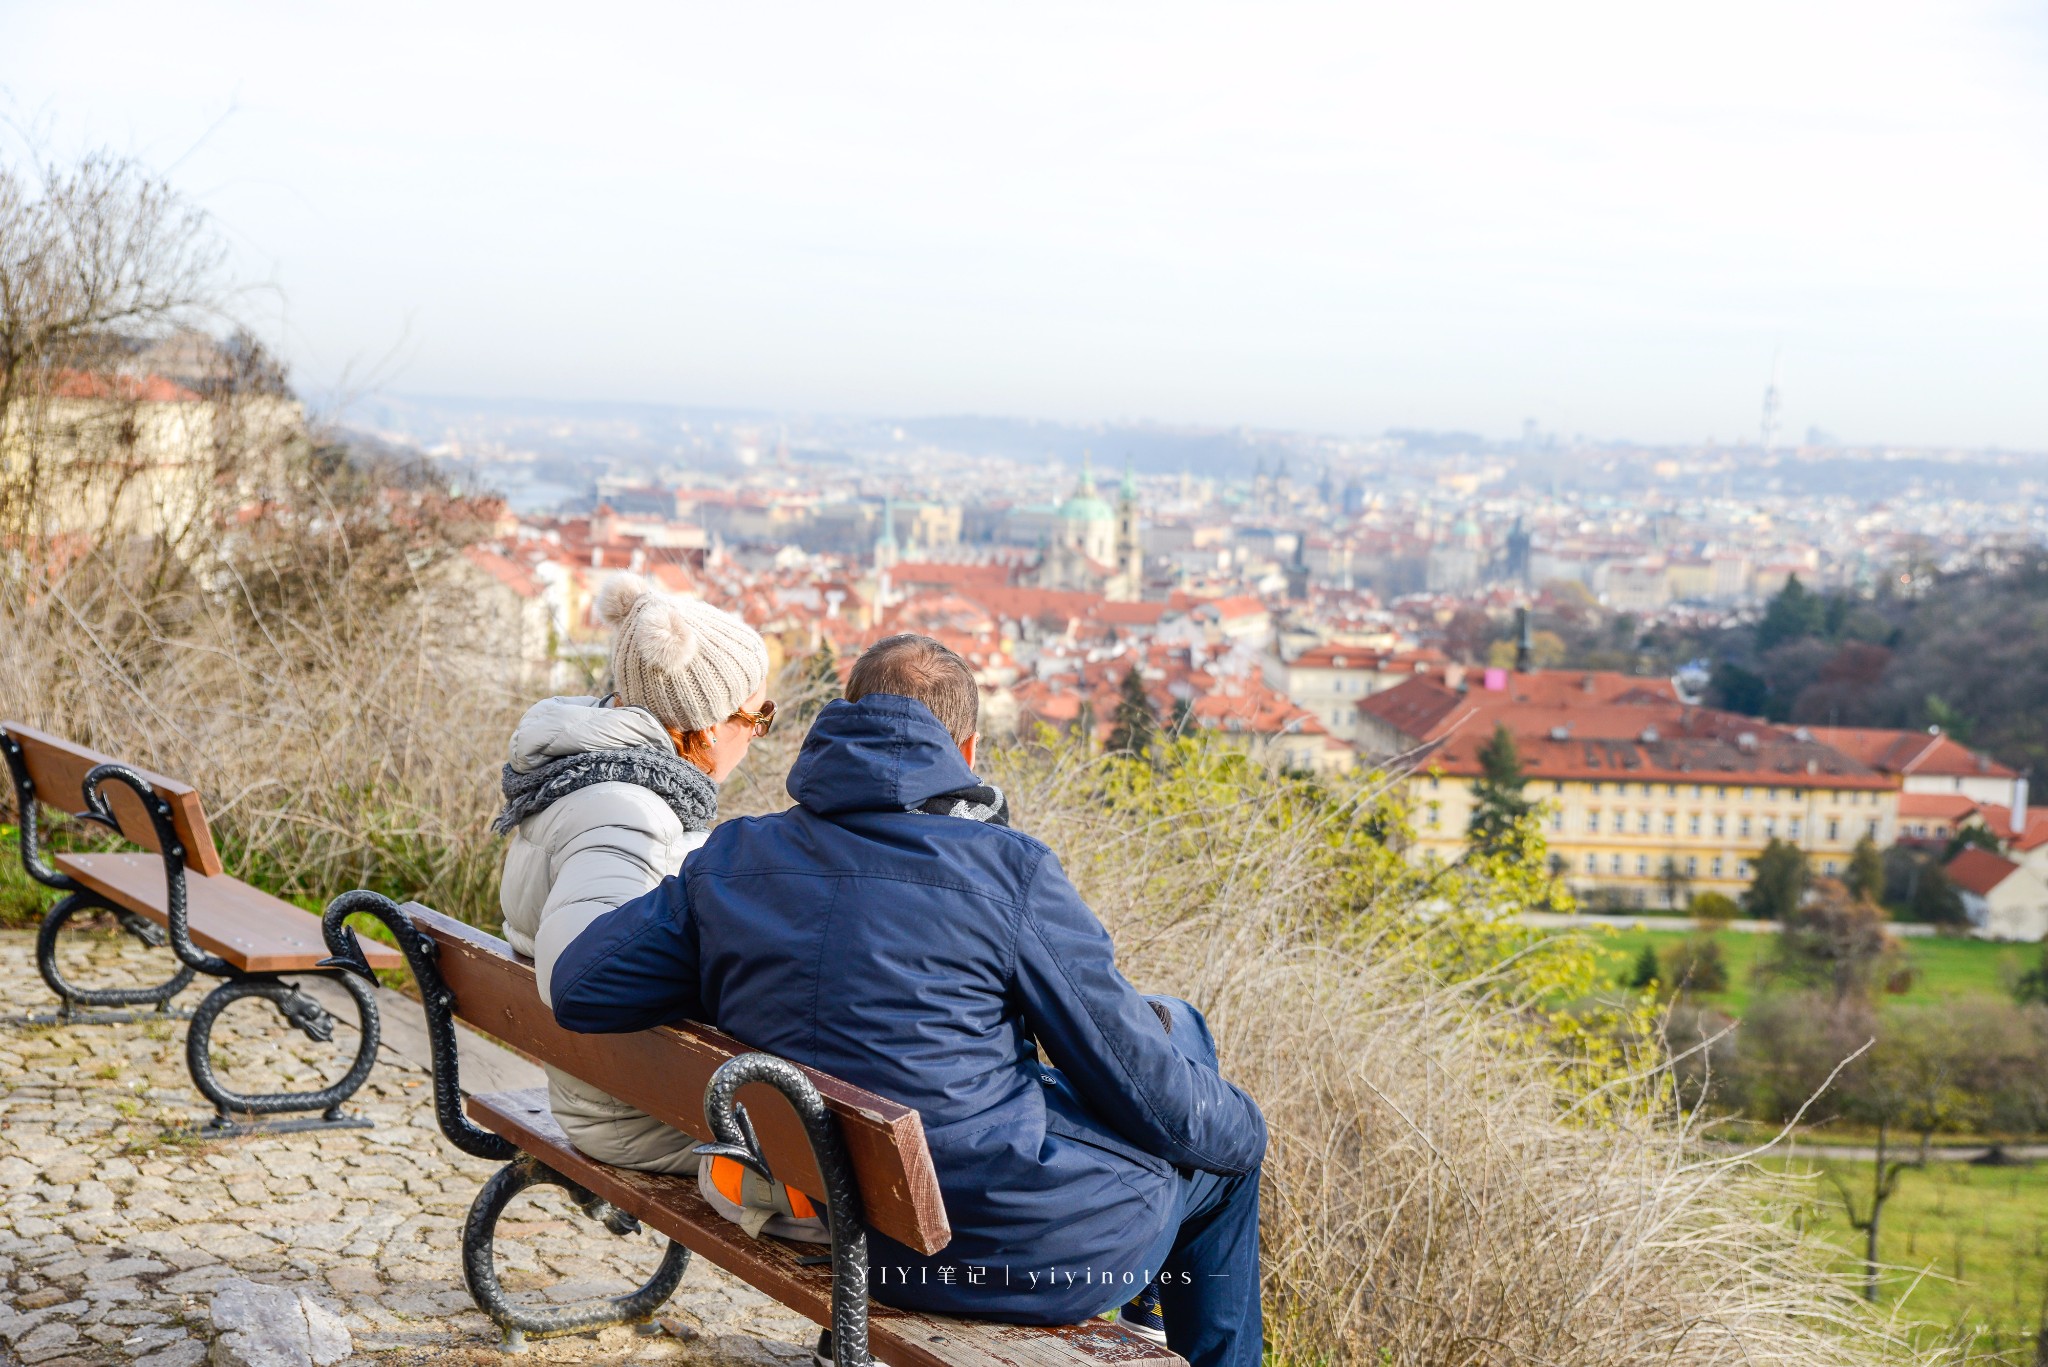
x: 31, y: 829
x: 843, y: 1214
x: 169, y: 847
x: 420, y: 951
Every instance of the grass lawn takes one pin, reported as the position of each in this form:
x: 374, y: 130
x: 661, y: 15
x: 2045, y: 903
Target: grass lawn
x: 1943, y: 967
x: 1980, y: 1235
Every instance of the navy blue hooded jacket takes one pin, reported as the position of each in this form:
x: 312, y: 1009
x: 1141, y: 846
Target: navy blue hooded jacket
x: 922, y: 957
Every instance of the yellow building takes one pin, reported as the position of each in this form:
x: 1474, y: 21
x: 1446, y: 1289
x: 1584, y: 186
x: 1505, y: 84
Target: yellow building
x: 1642, y: 796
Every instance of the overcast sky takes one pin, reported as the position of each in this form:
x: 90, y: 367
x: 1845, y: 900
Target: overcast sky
x: 1605, y: 217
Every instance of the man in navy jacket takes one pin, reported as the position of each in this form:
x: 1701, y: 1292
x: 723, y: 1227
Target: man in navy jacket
x: 871, y: 933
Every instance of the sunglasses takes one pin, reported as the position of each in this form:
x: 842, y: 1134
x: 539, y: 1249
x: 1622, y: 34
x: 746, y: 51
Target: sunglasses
x: 761, y: 721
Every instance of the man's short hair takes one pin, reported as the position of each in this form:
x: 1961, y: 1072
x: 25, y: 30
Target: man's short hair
x: 913, y: 666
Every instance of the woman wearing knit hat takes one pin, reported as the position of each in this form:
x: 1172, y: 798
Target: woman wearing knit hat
x: 604, y: 797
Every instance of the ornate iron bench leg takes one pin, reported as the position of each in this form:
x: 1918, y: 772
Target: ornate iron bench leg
x: 236, y: 1112
x: 518, y: 1322
x: 849, y: 1340
x: 88, y: 1005
x: 79, y: 899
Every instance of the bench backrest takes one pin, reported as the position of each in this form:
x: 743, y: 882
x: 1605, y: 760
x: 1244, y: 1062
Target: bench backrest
x: 664, y: 1073
x: 58, y: 768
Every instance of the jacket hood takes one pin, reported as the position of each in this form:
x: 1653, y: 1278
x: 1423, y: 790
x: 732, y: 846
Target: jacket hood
x: 884, y: 753
x: 554, y: 727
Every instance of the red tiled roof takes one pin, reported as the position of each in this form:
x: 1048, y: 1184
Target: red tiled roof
x: 1999, y: 819
x: 84, y: 384
x: 1698, y: 747
x: 1935, y: 806
x: 1378, y: 661
x: 1979, y: 871
x: 510, y: 573
x: 1414, y: 707
x: 1128, y: 614
x: 1911, y: 752
x: 942, y: 575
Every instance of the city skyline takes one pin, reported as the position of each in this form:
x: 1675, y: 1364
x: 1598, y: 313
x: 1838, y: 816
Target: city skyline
x: 1609, y: 222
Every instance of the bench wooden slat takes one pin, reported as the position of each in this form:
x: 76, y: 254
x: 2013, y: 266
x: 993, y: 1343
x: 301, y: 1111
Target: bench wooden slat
x: 664, y: 1072
x: 899, y: 1337
x: 58, y: 768
x: 246, y: 926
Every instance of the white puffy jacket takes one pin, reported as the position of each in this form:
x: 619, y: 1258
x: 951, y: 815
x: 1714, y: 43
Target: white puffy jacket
x: 571, y: 863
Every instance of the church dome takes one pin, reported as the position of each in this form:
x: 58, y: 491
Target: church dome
x: 1086, y: 505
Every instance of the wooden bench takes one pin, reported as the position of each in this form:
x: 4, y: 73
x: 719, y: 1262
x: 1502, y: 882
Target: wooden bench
x: 861, y: 1156
x: 178, y: 893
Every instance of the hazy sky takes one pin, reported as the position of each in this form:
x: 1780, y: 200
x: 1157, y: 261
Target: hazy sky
x: 1606, y: 217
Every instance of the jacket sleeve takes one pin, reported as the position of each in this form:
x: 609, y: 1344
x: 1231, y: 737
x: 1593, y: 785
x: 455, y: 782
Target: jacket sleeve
x: 1110, y: 1044
x: 632, y: 968
x: 604, y: 865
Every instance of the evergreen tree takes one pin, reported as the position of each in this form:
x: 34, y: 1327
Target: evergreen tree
x: 1780, y: 881
x: 1498, y: 804
x: 1866, y: 870
x: 1935, y: 898
x: 1136, y: 723
x: 1794, y: 613
x: 820, y: 683
x: 1646, y: 971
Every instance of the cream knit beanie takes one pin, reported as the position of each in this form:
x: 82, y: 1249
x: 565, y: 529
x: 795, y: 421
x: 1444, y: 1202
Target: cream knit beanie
x: 690, y: 664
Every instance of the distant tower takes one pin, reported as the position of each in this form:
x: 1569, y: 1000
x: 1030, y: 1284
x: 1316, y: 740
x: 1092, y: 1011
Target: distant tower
x: 1771, y: 406
x: 1130, y: 549
x: 1283, y: 489
x: 1517, y: 566
x: 886, y: 549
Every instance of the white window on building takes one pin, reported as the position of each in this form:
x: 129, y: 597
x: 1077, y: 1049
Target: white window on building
x: 1434, y: 814
x: 1717, y: 866
x: 1834, y: 828
x: 1828, y: 868
x: 1792, y: 828
x: 1592, y: 863
x: 1692, y: 866
x: 1557, y: 821
x: 1720, y: 825
x: 1643, y: 822
x: 1692, y: 824
x: 1770, y: 828
x: 1615, y: 863
x: 1593, y: 822
x: 1670, y: 823
x: 1642, y: 863
x: 1745, y: 828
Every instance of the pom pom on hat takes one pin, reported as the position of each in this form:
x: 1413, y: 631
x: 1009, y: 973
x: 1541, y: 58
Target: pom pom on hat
x: 619, y: 596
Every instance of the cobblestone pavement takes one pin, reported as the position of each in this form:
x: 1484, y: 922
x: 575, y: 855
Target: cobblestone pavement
x: 117, y: 1224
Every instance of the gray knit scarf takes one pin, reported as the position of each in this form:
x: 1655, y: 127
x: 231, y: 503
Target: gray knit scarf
x: 688, y: 790
x: 982, y: 802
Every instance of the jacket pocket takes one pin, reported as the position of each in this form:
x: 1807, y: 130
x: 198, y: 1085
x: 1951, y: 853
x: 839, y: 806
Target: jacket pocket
x: 1086, y: 1130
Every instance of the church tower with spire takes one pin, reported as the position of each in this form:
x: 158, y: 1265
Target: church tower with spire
x: 1130, y: 548
x: 887, y: 552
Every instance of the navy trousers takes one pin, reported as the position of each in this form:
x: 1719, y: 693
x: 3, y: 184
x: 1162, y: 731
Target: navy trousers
x: 1209, y: 1265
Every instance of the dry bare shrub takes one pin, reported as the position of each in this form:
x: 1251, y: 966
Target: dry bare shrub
x: 335, y: 748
